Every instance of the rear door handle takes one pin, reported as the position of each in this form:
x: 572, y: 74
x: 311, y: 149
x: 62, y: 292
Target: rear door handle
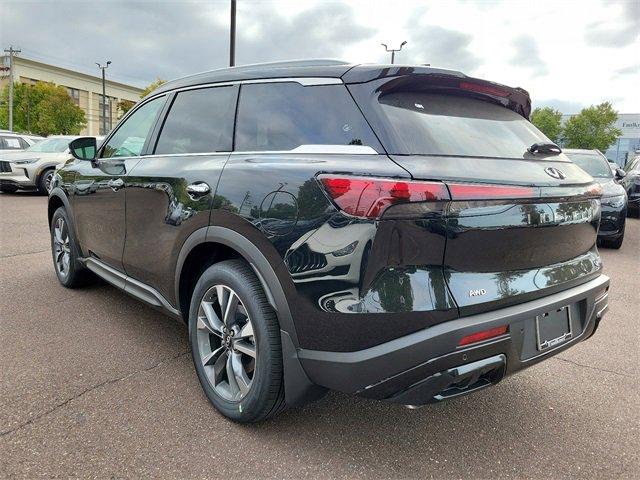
x: 198, y: 189
x: 116, y: 184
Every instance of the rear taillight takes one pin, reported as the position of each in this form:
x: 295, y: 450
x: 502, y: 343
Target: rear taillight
x: 478, y: 191
x: 482, y: 336
x: 369, y: 197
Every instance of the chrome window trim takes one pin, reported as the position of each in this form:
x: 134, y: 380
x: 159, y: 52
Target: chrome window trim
x: 304, y: 81
x: 302, y: 149
x: 317, y: 149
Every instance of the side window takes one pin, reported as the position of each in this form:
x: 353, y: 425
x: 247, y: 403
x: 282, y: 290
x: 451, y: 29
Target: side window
x: 11, y: 143
x: 199, y: 121
x: 131, y: 135
x: 283, y: 116
x: 23, y: 143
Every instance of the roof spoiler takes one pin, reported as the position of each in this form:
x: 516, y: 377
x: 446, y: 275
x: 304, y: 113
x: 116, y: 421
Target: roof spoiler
x: 436, y: 79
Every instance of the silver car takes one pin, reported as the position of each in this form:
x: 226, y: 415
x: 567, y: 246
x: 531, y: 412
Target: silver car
x: 34, y: 167
x: 10, y: 141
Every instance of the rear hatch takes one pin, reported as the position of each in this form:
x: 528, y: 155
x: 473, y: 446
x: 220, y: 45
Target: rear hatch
x: 523, y: 220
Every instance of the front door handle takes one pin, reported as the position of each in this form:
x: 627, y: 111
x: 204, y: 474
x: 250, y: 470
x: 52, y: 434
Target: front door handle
x: 116, y: 184
x: 198, y: 189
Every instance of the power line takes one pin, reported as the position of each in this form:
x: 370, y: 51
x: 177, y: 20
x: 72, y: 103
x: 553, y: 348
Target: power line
x: 80, y: 68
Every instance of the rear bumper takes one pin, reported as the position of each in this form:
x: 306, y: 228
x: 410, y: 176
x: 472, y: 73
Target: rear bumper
x: 428, y: 365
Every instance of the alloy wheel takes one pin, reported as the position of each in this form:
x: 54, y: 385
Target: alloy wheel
x: 226, y: 343
x: 61, y: 247
x: 48, y: 180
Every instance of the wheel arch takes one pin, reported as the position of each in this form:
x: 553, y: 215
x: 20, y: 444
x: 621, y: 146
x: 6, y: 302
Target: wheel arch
x: 216, y: 243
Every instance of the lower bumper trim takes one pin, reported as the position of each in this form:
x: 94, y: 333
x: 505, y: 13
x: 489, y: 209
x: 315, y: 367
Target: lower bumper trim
x: 454, y: 382
x: 386, y: 370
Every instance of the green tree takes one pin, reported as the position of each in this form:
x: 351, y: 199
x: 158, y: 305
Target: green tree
x: 124, y: 106
x: 151, y: 87
x: 43, y: 108
x: 592, y: 128
x: 548, y: 122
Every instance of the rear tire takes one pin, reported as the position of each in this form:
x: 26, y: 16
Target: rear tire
x: 8, y: 188
x: 66, y: 254
x: 235, y: 343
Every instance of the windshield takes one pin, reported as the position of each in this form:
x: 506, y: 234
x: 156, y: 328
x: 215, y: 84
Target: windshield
x: 592, y: 163
x: 437, y: 124
x: 51, y: 145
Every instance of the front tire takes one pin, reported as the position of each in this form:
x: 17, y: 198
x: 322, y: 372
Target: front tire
x: 66, y: 257
x: 44, y: 182
x: 616, y: 243
x: 235, y: 343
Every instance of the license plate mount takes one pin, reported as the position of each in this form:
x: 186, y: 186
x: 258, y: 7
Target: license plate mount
x: 553, y: 328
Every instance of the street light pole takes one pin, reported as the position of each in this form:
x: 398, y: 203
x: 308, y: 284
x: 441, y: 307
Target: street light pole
x: 104, y: 98
x: 393, y: 50
x: 232, y: 35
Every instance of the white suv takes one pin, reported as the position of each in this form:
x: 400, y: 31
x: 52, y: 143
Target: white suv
x: 10, y: 141
x: 34, y: 166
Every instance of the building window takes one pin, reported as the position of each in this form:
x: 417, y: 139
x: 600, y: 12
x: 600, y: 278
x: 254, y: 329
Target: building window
x: 74, y: 93
x: 103, y: 130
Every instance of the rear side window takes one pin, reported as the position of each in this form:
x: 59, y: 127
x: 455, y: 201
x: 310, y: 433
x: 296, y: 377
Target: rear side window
x: 199, y: 121
x: 283, y: 116
x: 437, y: 124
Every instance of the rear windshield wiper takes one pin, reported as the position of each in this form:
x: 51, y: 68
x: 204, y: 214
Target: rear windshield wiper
x: 545, y: 147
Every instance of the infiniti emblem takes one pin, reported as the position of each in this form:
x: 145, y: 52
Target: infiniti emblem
x: 555, y: 173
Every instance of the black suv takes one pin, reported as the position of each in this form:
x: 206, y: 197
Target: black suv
x: 398, y: 232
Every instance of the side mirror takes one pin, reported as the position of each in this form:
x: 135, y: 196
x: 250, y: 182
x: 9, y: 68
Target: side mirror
x: 83, y: 148
x: 620, y: 173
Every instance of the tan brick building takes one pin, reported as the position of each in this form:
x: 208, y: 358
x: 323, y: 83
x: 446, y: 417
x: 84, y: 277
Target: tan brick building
x: 84, y: 89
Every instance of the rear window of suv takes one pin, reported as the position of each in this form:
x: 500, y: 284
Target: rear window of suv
x: 283, y: 116
x: 438, y: 124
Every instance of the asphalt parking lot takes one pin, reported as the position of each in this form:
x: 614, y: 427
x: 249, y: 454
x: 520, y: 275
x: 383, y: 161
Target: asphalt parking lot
x: 94, y: 384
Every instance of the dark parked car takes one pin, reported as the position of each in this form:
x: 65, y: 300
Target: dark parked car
x: 614, y: 197
x: 400, y: 233
x: 631, y: 184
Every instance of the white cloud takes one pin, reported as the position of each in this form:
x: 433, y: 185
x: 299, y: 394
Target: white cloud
x: 567, y: 53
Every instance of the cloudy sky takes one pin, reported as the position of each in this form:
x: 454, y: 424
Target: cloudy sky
x: 566, y: 53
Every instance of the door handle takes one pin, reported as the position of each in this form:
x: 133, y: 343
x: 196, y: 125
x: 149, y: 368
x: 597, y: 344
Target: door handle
x: 116, y: 184
x: 198, y: 189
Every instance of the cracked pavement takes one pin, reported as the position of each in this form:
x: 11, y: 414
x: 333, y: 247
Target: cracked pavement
x: 94, y: 384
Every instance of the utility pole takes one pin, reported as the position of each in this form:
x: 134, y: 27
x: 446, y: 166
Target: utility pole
x: 104, y: 98
x: 393, y: 51
x: 232, y: 35
x: 11, y: 51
